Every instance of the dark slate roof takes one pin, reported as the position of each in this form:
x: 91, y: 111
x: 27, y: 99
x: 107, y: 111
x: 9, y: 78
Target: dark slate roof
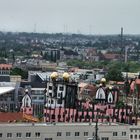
x: 4, y: 78
x: 33, y: 84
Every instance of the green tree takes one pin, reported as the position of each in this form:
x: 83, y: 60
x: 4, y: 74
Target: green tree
x: 114, y: 75
x: 18, y: 71
x: 120, y: 104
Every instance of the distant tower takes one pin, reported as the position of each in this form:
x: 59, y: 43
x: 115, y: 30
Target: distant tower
x: 121, y: 44
x: 121, y: 37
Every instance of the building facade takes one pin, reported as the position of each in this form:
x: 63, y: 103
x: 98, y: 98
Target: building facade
x: 63, y: 131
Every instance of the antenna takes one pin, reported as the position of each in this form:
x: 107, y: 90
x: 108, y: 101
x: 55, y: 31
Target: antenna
x: 126, y: 53
x: 121, y: 37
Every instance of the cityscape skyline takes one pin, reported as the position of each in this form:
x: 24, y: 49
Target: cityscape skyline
x: 70, y: 16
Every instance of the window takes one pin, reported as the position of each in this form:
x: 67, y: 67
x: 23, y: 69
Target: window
x: 104, y: 138
x: 59, y: 101
x: 50, y: 87
x: 115, y: 133
x: 131, y: 130
x: 28, y: 135
x: 18, y: 135
x: 53, y: 116
x: 61, y: 88
x: 0, y: 135
x: 131, y: 136
x: 86, y: 91
x: 77, y: 133
x: 41, y: 98
x: 93, y: 134
x: 85, y: 133
x: 59, y: 95
x: 37, y: 134
x: 67, y: 133
x: 48, y: 139
x: 50, y: 94
x: 59, y: 133
x: 9, y: 135
x: 52, y: 101
x: 123, y: 133
x: 135, y: 136
x: 34, y: 98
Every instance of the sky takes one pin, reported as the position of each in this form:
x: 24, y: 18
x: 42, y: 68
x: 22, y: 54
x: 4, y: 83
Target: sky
x: 70, y: 16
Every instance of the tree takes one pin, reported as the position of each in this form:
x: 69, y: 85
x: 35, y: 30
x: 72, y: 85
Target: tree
x: 18, y: 71
x: 120, y: 104
x: 114, y: 75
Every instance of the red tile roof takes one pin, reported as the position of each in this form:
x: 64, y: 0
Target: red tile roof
x: 5, y: 66
x: 110, y: 56
x: 137, y: 81
x: 10, y: 117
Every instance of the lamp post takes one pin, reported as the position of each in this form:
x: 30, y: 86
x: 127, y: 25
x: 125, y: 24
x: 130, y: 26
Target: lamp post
x: 96, y: 130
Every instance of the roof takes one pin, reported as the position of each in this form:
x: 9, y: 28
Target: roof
x: 8, y: 116
x: 138, y: 81
x: 4, y: 78
x: 44, y: 75
x: 5, y: 66
x: 61, y: 124
x: 91, y: 88
x: 120, y: 83
x: 111, y: 56
x: 38, y: 89
x: 4, y: 90
x: 81, y: 85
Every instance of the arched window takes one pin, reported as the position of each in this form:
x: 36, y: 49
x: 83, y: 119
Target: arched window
x: 110, y: 98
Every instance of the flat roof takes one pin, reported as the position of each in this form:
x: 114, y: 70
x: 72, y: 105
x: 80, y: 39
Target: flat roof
x: 62, y: 124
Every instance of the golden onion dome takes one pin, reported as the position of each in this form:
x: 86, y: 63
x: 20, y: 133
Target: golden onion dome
x: 66, y: 76
x: 54, y: 75
x: 103, y: 80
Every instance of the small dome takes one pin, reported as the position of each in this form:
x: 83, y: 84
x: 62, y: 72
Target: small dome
x: 54, y: 75
x: 100, y: 85
x: 26, y: 90
x: 110, y: 87
x: 66, y: 76
x: 103, y: 80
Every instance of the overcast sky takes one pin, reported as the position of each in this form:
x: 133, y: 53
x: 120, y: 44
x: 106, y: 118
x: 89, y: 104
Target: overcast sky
x: 76, y: 16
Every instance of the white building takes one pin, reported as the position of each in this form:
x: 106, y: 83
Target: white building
x: 67, y: 131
